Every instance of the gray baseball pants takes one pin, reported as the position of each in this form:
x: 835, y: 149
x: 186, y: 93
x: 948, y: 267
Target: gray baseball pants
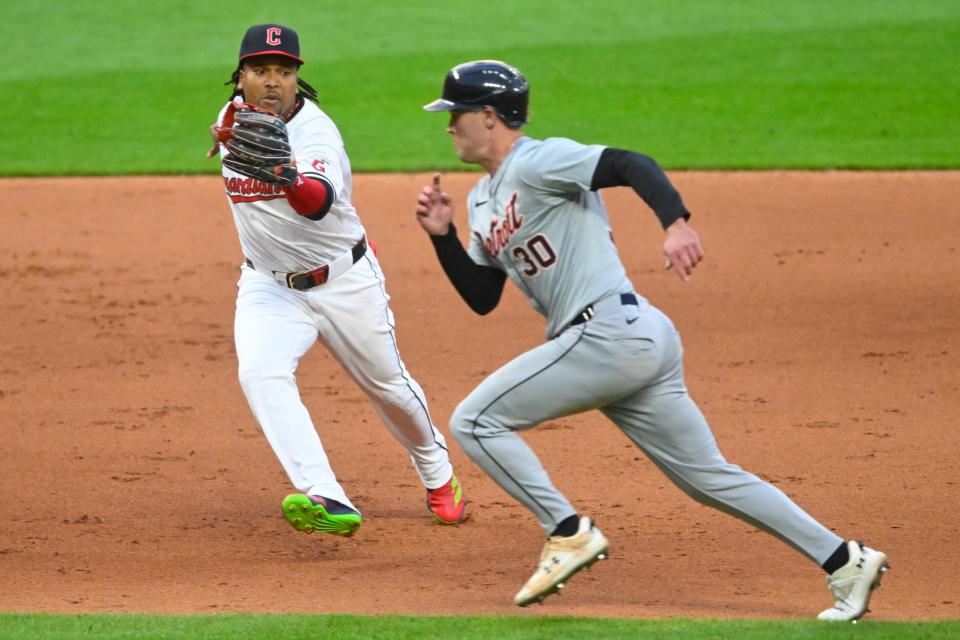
x: 627, y: 361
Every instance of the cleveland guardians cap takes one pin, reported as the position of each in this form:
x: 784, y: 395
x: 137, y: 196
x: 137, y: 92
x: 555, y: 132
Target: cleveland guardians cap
x: 270, y: 39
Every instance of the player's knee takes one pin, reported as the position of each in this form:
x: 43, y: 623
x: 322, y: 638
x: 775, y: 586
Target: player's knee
x: 469, y: 423
x: 458, y: 423
x: 708, y: 487
x: 254, y: 381
x: 463, y: 423
x: 399, y: 397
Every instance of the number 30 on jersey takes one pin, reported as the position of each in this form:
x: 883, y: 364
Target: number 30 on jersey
x: 536, y: 254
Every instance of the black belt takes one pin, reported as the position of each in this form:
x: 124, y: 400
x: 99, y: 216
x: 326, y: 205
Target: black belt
x: 587, y: 313
x: 303, y: 280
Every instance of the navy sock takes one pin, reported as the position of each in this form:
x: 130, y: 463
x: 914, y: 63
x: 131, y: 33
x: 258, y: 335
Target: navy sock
x: 839, y: 558
x: 567, y: 527
x: 335, y: 508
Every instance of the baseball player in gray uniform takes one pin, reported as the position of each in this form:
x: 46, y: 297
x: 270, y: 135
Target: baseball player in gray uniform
x: 537, y: 218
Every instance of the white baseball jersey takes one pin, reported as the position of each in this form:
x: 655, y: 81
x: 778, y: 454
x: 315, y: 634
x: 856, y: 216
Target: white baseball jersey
x: 275, y: 326
x: 274, y: 236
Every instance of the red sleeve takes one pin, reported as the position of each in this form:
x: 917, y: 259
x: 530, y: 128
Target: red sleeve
x: 310, y: 197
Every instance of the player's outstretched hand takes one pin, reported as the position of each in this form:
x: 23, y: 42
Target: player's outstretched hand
x: 682, y: 249
x: 434, y: 209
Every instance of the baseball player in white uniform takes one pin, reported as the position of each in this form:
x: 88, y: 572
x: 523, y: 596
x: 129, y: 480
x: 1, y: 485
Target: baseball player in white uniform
x: 537, y: 218
x: 309, y: 274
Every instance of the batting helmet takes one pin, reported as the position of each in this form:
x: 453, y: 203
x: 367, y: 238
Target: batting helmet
x: 471, y: 86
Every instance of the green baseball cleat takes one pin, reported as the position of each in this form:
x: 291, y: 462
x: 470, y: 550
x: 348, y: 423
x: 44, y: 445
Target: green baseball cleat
x: 314, y: 513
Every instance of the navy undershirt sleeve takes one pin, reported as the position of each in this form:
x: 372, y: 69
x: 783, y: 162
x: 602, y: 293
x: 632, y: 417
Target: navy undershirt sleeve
x: 479, y: 286
x: 622, y: 168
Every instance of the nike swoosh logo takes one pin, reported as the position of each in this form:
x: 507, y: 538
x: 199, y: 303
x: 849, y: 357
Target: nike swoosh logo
x: 477, y: 204
x: 632, y: 320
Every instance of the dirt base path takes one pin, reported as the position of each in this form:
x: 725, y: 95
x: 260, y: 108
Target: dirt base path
x: 822, y: 342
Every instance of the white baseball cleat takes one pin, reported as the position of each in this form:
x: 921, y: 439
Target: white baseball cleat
x: 853, y: 583
x: 561, y: 558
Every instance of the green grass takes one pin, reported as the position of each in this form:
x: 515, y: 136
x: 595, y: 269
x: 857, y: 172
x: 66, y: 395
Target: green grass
x: 339, y: 627
x: 124, y: 86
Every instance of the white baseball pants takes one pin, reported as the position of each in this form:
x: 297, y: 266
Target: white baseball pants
x: 275, y: 326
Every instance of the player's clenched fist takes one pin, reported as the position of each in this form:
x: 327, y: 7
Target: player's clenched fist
x: 434, y: 209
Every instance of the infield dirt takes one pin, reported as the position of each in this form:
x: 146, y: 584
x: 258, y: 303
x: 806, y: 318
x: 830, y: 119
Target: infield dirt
x: 822, y: 337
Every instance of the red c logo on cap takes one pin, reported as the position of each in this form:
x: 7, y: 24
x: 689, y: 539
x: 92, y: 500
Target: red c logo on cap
x: 273, y: 36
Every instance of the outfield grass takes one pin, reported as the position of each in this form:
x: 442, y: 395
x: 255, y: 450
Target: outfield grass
x: 124, y: 86
x: 340, y: 627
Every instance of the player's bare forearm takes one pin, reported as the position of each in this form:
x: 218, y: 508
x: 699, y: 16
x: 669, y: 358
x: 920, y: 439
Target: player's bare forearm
x: 434, y: 209
x: 682, y: 249
x: 215, y: 136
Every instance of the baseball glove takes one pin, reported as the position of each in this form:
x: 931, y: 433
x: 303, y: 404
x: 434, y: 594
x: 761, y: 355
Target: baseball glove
x: 257, y: 144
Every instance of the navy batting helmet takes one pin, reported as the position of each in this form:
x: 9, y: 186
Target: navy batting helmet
x: 471, y: 86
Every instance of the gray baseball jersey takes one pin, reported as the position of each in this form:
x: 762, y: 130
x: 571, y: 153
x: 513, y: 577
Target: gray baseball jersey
x: 537, y: 220
x: 543, y: 191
